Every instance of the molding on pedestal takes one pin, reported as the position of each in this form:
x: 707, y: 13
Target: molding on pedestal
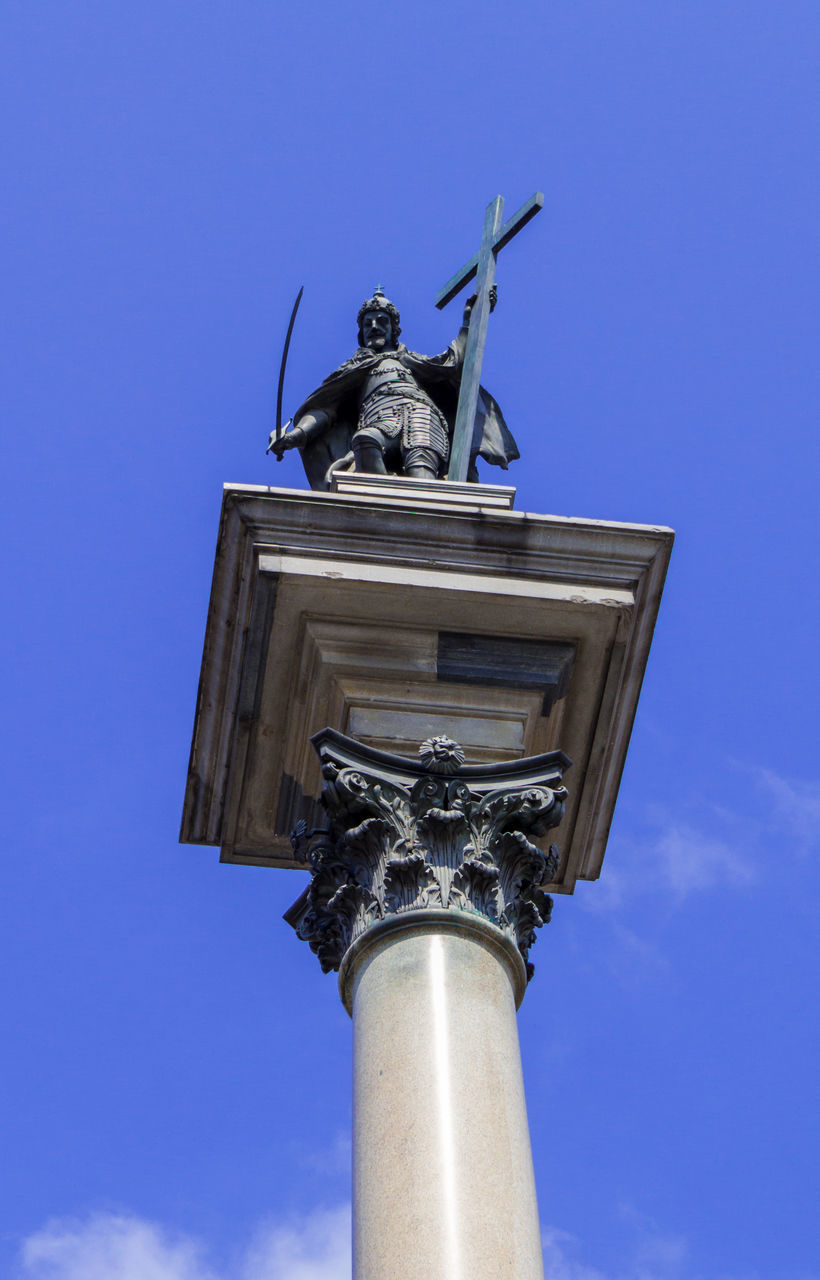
x: 406, y: 836
x: 423, y: 493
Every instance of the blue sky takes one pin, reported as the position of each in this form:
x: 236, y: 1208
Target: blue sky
x: 176, y: 1093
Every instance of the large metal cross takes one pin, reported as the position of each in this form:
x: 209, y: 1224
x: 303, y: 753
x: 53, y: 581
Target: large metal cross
x: 493, y: 239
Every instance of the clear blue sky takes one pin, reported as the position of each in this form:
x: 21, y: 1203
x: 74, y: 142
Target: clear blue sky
x: 175, y: 1102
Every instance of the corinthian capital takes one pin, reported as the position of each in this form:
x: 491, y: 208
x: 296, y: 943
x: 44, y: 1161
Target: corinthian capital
x: 405, y: 835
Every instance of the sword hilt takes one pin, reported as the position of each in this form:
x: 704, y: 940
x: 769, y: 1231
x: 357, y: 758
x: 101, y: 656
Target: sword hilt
x: 275, y: 439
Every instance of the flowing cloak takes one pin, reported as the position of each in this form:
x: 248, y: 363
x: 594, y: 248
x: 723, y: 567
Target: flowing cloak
x: 438, y: 376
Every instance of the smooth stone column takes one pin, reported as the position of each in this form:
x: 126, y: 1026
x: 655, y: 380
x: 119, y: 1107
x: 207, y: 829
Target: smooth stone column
x: 443, y: 1177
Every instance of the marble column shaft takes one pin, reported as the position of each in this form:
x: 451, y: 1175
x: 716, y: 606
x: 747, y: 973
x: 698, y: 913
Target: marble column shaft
x: 442, y: 1169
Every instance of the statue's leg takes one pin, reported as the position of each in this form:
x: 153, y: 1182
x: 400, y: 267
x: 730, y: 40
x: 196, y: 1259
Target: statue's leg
x: 421, y: 462
x: 424, y: 441
x: 368, y: 451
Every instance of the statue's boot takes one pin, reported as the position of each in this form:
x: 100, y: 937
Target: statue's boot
x: 369, y: 457
x: 419, y: 472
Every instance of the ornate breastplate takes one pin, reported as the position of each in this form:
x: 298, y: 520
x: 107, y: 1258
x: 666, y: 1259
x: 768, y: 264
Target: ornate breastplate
x: 387, y: 373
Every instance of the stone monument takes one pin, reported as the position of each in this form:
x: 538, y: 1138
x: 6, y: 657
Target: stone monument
x: 399, y: 669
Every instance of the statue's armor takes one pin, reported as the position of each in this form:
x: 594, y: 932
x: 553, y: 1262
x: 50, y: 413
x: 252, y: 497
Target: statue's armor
x: 395, y: 405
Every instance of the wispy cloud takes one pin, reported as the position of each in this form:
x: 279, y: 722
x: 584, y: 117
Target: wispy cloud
x: 653, y: 872
x: 654, y: 1255
x: 796, y: 806
x: 687, y: 861
x: 560, y: 1262
x: 674, y: 861
x: 336, y: 1158
x: 671, y: 856
x: 107, y: 1246
x: 314, y: 1247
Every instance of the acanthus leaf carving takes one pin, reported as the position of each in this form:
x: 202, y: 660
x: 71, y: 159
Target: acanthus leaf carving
x: 410, y: 883
x: 404, y: 836
x: 475, y: 887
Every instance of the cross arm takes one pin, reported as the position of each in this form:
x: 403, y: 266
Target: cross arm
x: 505, y: 235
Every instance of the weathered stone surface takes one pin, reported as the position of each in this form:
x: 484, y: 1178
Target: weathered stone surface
x: 328, y: 609
x: 508, y: 662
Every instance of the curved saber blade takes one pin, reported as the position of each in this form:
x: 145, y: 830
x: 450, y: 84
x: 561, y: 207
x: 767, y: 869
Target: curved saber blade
x: 281, y: 386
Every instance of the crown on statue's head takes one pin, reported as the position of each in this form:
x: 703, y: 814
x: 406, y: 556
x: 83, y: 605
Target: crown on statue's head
x: 379, y: 302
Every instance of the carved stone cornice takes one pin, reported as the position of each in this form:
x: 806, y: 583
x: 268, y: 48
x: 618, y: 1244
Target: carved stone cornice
x: 407, y: 835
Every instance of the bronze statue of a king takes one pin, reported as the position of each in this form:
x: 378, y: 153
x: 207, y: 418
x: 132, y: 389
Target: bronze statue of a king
x: 391, y: 411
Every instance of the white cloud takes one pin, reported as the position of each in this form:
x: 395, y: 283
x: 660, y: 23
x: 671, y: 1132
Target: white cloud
x: 336, y: 1158
x: 108, y: 1246
x: 653, y: 1256
x: 315, y: 1247
x: 559, y: 1264
x: 797, y: 806
x: 676, y: 861
x: 687, y: 861
x: 657, y: 1255
x: 673, y: 858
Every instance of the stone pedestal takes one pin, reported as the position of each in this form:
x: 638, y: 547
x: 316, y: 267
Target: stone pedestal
x: 398, y: 608
x: 426, y: 891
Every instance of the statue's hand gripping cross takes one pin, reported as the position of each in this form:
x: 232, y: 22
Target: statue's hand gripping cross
x: 493, y: 239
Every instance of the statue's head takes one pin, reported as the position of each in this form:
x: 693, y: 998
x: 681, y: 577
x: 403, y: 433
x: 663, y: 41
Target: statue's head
x: 379, y: 326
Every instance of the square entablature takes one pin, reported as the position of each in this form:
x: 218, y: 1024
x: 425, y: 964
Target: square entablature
x: 397, y: 610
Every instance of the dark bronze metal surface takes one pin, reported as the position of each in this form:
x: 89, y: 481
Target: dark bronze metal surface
x: 389, y: 410
x: 274, y: 442
x: 404, y: 836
